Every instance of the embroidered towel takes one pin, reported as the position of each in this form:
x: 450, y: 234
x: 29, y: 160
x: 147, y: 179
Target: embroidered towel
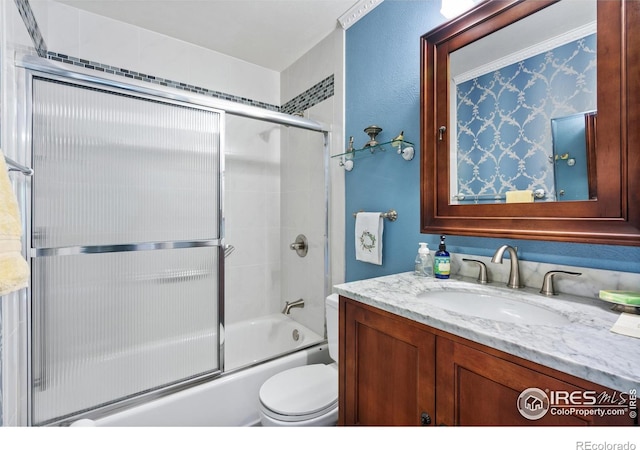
x: 369, y: 228
x: 14, y: 271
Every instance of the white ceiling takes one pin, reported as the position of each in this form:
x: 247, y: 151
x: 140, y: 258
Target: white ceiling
x: 269, y: 33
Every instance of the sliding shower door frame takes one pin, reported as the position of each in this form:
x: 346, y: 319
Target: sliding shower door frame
x: 30, y: 76
x: 29, y: 67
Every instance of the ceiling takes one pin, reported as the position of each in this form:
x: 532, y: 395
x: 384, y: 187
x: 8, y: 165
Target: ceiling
x: 270, y: 33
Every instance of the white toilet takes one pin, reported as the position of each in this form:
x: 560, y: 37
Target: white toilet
x: 307, y: 395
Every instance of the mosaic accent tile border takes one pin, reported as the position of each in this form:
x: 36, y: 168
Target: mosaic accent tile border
x: 79, y: 62
x: 24, y: 8
x: 311, y: 97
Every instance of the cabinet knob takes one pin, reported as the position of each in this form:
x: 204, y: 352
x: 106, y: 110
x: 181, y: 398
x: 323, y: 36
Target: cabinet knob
x: 425, y: 419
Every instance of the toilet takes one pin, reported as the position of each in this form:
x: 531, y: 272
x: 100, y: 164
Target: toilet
x: 307, y: 395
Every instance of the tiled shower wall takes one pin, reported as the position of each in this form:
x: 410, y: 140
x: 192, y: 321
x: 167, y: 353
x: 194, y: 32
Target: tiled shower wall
x: 302, y: 181
x: 312, y: 86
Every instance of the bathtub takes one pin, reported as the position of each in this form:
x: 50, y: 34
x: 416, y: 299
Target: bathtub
x: 252, y: 341
x: 232, y: 398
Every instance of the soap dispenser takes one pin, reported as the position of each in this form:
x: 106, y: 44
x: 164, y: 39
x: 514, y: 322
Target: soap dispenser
x: 442, y: 264
x: 424, y: 263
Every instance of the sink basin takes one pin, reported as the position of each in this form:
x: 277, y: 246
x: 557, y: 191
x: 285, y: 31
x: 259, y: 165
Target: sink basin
x: 493, y: 307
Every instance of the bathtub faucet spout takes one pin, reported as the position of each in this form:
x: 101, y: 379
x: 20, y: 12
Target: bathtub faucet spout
x: 288, y: 305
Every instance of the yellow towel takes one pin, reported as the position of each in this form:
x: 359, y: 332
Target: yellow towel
x: 519, y: 196
x: 14, y: 271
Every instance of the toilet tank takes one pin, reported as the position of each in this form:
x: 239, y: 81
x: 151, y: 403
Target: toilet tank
x: 331, y: 314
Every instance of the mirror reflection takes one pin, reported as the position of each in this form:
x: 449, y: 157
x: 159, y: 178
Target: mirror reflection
x: 517, y: 93
x: 572, y: 156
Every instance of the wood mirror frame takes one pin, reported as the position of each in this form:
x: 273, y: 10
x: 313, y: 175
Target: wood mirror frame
x: 614, y: 218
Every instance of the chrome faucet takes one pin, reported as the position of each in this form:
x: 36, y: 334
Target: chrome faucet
x: 514, y: 275
x: 296, y: 304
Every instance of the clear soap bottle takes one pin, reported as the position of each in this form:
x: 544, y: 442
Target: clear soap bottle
x: 424, y: 263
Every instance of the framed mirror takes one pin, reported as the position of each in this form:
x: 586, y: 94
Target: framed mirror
x: 511, y: 145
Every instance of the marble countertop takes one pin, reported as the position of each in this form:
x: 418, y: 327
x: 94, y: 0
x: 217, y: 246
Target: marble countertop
x: 585, y: 347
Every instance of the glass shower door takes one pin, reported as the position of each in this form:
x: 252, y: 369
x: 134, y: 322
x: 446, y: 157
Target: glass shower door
x: 125, y: 246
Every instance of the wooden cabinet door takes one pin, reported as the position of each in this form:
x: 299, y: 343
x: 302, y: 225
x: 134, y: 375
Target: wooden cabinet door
x: 386, y: 368
x: 476, y: 388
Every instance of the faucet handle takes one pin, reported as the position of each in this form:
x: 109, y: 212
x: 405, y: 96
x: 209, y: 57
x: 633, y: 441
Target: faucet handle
x: 547, y: 282
x: 482, y: 275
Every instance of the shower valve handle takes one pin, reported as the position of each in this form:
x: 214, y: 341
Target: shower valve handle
x: 301, y: 246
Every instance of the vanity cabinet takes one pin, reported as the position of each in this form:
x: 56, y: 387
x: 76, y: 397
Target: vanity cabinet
x: 395, y: 371
x: 479, y: 388
x: 386, y: 366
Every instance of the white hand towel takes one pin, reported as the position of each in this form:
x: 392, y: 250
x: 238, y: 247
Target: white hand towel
x: 369, y: 227
x: 14, y: 271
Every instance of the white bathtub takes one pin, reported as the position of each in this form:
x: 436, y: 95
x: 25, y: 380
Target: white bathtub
x: 231, y: 399
x: 251, y: 341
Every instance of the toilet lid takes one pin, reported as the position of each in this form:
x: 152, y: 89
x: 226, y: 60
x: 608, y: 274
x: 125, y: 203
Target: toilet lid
x: 302, y: 390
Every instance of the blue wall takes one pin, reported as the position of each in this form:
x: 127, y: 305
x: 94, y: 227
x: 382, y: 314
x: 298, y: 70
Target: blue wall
x: 383, y: 88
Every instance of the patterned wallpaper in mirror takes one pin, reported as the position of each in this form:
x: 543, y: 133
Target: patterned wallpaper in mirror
x: 503, y: 134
